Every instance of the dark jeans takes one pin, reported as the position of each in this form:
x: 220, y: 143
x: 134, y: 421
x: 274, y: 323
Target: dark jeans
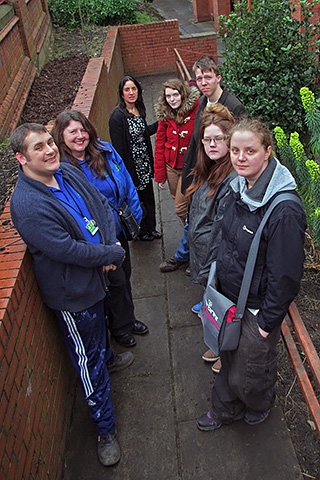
x: 147, y: 200
x: 247, y: 379
x: 120, y: 307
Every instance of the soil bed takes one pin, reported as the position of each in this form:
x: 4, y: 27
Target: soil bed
x: 54, y: 90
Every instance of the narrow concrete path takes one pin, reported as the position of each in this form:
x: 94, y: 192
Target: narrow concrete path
x: 158, y: 399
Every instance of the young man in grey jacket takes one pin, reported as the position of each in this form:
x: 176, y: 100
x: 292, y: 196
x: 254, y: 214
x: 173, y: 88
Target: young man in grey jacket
x: 69, y: 229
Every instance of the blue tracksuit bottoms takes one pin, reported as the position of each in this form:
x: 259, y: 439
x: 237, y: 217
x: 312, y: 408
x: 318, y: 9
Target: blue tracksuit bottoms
x: 85, y: 336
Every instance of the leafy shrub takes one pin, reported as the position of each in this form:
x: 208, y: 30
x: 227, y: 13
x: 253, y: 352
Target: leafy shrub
x: 306, y: 171
x: 269, y: 55
x: 76, y: 13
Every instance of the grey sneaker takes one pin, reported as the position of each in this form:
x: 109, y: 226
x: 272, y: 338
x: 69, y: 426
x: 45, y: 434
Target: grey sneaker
x: 108, y: 449
x: 120, y: 362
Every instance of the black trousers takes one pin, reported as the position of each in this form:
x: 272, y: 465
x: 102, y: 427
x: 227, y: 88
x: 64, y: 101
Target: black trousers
x: 248, y: 376
x: 148, y: 204
x: 120, y: 307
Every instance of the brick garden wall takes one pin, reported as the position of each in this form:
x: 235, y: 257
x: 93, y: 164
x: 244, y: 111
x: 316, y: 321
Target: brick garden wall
x: 137, y: 50
x: 37, y: 381
x: 24, y: 44
x: 148, y: 49
x: 97, y: 94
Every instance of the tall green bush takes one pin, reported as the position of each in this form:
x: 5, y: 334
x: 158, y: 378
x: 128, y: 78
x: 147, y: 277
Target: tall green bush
x: 305, y: 170
x: 76, y: 13
x: 269, y: 55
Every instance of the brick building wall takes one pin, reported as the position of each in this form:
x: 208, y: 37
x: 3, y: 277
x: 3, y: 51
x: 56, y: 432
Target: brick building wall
x: 204, y: 10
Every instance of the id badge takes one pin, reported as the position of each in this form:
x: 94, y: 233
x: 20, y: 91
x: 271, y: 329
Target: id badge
x: 92, y: 226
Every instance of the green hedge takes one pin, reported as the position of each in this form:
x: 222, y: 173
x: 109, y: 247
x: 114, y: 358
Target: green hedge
x: 76, y: 13
x: 269, y: 55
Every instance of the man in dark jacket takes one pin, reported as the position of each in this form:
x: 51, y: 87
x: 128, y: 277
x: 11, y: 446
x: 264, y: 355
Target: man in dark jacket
x: 69, y: 229
x: 208, y: 80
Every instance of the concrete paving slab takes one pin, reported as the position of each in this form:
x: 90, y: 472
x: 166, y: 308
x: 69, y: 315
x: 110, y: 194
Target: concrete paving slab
x: 193, y: 378
x: 181, y: 297
x: 146, y: 257
x: 146, y: 435
x: 238, y: 451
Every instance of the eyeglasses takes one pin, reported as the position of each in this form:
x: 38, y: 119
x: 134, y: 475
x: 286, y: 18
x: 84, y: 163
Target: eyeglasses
x: 216, y: 140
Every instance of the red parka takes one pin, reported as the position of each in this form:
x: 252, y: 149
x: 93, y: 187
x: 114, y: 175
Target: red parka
x: 172, y: 140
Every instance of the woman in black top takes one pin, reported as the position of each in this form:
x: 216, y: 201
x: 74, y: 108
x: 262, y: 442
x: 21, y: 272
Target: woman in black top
x: 130, y: 136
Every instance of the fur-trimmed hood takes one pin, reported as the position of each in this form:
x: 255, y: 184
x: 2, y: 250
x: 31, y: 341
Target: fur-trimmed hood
x: 194, y: 94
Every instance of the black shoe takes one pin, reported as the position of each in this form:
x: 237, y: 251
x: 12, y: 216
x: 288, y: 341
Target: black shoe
x: 139, y: 328
x: 146, y: 238
x: 120, y: 362
x: 125, y: 339
x: 155, y: 234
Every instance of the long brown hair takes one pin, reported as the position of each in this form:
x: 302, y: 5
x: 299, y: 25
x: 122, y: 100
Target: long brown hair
x: 178, y: 114
x: 94, y: 157
x: 205, y: 170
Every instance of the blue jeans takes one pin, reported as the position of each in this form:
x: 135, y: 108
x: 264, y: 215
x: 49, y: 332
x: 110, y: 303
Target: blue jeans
x: 182, y: 254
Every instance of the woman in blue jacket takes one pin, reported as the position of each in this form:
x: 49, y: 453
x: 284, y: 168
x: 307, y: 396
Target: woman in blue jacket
x: 79, y: 145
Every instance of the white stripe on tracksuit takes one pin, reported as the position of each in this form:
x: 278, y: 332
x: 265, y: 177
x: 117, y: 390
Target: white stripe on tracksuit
x: 80, y: 352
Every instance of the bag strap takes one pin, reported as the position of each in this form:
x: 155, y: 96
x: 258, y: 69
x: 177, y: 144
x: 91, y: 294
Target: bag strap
x: 114, y: 208
x: 252, y: 256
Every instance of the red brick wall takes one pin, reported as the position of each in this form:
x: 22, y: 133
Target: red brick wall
x: 137, y: 50
x: 220, y: 7
x: 202, y: 10
x: 148, y: 49
x: 191, y: 48
x: 36, y: 378
x: 24, y: 44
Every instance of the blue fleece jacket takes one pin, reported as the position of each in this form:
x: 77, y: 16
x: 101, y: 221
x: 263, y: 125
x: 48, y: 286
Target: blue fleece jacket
x: 118, y: 189
x: 68, y: 269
